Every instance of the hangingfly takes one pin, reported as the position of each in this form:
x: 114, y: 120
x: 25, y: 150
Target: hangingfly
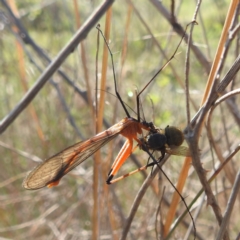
x: 49, y: 172
x: 169, y: 140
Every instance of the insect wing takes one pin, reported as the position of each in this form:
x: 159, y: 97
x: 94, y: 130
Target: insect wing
x: 54, y: 168
x: 179, y: 151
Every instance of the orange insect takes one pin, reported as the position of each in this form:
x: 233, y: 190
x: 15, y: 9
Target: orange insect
x: 49, y: 172
x: 53, y: 169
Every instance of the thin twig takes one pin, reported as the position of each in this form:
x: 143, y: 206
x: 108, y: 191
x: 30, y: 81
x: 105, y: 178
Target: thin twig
x: 229, y: 208
x: 55, y: 64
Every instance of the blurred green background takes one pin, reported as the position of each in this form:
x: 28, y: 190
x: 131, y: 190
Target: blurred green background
x: 44, y: 128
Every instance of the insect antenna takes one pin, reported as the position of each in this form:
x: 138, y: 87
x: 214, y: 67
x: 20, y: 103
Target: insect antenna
x: 155, y: 75
x: 152, y: 106
x: 114, y: 95
x: 141, y: 106
x: 114, y: 75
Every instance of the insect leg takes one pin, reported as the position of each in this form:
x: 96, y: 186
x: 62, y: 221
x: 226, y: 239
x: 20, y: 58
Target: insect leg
x: 128, y: 174
x: 183, y: 200
x: 121, y: 158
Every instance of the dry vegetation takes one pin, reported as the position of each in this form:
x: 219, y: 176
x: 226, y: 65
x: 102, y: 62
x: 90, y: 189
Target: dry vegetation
x: 143, y: 36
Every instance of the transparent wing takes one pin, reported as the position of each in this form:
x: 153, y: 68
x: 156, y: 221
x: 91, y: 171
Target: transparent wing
x: 54, y: 168
x: 179, y: 151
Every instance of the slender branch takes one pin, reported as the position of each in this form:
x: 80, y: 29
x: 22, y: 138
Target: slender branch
x: 230, y: 204
x: 55, y: 64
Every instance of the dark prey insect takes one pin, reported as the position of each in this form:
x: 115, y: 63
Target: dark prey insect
x: 167, y: 141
